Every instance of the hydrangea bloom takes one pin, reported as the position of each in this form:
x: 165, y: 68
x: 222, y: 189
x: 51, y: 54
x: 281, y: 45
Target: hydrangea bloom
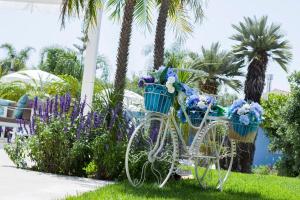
x: 248, y: 113
x: 187, y: 90
x: 192, y: 100
x: 244, y: 119
x: 171, y: 73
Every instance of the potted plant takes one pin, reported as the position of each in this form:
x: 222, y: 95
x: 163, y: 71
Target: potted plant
x: 245, y: 118
x: 161, y: 87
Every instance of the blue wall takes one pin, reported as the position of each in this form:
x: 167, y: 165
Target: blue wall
x: 262, y: 155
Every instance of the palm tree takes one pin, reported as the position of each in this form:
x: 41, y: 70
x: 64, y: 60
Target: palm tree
x: 221, y: 68
x: 14, y: 61
x: 133, y: 9
x: 257, y: 43
x: 177, y: 11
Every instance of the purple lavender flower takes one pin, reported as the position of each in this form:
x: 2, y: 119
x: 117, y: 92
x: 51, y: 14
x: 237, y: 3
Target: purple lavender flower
x: 97, y: 120
x: 32, y: 126
x: 62, y: 105
x: 35, y: 104
x: 51, y: 106
x: 68, y: 102
x: 82, y: 106
x: 46, y: 113
x: 80, y: 126
x: 74, y: 113
x: 41, y: 111
x: 55, y: 111
x: 88, y: 121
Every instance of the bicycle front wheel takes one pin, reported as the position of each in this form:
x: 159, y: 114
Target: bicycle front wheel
x: 151, y: 152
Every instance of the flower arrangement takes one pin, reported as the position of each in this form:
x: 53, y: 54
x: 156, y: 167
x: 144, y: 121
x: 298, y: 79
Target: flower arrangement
x: 161, y: 86
x: 163, y: 76
x: 196, y: 106
x: 247, y: 113
x: 245, y: 118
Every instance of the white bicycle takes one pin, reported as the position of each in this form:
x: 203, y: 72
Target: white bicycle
x: 157, y: 145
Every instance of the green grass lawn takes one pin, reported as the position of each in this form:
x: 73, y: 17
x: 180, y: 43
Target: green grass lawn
x: 238, y: 187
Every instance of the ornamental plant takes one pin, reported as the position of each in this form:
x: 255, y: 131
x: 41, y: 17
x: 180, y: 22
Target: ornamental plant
x: 163, y: 76
x: 64, y: 140
x: 246, y: 113
x: 196, y: 106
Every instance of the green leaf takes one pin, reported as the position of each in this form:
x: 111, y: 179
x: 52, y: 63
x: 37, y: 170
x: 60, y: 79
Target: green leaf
x: 163, y: 76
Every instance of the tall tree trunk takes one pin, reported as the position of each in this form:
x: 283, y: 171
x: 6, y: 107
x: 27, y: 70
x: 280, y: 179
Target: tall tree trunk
x: 123, y: 51
x: 159, y: 45
x: 210, y: 86
x: 254, y: 86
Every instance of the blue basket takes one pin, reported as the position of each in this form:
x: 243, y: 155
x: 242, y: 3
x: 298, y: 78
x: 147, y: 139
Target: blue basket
x: 241, y: 132
x: 158, y: 99
x: 195, y: 116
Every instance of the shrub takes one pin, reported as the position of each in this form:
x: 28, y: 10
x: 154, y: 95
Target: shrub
x: 282, y: 125
x: 265, y: 170
x: 65, y: 141
x: 109, y: 157
x: 17, y: 151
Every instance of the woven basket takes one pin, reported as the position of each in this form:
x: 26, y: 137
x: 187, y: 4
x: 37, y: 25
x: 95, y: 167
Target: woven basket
x: 242, y: 132
x: 158, y: 99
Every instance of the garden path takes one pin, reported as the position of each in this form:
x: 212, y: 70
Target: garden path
x: 16, y: 184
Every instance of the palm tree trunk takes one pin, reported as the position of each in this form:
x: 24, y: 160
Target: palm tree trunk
x: 254, y: 86
x: 209, y: 87
x: 123, y: 51
x: 159, y: 44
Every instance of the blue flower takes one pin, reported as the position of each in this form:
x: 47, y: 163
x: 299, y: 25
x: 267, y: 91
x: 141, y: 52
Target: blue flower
x: 181, y: 116
x: 171, y: 73
x: 188, y: 91
x: 236, y: 105
x: 192, y: 100
x: 210, y: 100
x: 244, y: 119
x: 141, y: 83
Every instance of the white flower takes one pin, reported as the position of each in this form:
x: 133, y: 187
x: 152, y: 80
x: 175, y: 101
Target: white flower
x: 170, y: 87
x: 246, y: 107
x: 202, y: 98
x: 241, y: 111
x: 171, y: 79
x: 201, y: 104
x: 171, y: 90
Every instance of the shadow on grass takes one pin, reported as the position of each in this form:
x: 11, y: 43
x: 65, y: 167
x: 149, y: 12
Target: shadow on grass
x: 187, y: 189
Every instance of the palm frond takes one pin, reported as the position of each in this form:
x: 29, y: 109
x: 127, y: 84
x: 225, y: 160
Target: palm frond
x: 256, y: 38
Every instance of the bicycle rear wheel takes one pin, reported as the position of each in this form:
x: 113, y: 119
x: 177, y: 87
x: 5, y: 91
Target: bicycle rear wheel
x: 151, y: 152
x: 215, y: 156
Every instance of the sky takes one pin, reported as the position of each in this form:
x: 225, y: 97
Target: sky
x: 38, y: 26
